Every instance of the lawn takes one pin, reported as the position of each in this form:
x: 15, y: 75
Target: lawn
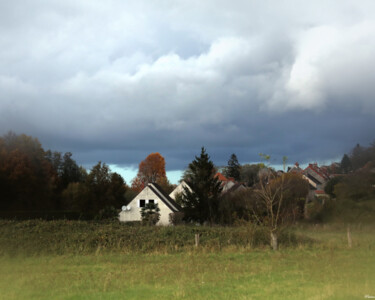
x: 325, y: 270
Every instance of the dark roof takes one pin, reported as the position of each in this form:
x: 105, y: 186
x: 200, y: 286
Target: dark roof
x: 234, y: 188
x: 318, y: 171
x: 164, y: 197
x: 312, y: 178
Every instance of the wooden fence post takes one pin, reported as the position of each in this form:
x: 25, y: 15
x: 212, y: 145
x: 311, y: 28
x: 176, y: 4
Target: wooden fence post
x: 196, y: 239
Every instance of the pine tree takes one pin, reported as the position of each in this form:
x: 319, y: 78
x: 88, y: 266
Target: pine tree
x: 234, y: 168
x: 201, y: 203
x: 345, y: 164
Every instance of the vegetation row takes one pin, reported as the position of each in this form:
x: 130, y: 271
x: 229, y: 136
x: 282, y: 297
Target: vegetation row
x: 34, y: 237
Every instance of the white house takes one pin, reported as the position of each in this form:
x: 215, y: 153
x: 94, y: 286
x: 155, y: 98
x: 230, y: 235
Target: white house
x: 179, y: 190
x: 152, y: 193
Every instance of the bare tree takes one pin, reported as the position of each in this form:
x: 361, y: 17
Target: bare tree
x: 277, y: 202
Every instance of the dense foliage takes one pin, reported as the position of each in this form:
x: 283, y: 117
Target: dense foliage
x: 152, y: 169
x: 353, y: 192
x: 150, y: 214
x: 32, y: 179
x: 84, y: 237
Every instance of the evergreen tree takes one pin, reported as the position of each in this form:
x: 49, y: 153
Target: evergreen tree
x: 105, y: 188
x: 70, y: 170
x: 201, y: 203
x: 150, y: 214
x: 345, y: 164
x: 234, y: 168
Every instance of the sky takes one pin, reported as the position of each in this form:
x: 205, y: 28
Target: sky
x: 114, y: 81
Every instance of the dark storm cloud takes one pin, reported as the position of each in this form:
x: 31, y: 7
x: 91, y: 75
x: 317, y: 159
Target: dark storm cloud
x: 115, y: 82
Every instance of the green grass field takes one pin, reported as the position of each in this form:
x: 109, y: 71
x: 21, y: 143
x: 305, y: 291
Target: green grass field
x: 326, y: 269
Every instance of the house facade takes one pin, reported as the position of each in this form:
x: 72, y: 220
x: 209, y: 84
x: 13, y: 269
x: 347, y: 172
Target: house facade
x: 226, y: 182
x: 180, y: 189
x: 152, y: 193
x: 316, y: 176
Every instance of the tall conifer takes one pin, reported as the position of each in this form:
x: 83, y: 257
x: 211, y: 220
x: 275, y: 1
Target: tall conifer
x: 201, y: 203
x: 234, y: 168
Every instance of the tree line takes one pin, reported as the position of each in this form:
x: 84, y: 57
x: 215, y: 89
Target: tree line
x: 34, y: 179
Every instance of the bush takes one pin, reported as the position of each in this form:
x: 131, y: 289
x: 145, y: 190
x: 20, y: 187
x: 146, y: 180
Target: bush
x: 320, y: 211
x: 176, y: 218
x: 109, y: 212
x: 150, y: 214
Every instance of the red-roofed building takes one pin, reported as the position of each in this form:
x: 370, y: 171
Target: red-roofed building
x: 317, y: 178
x: 226, y: 183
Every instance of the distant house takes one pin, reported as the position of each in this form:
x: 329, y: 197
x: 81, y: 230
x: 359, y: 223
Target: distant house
x: 226, y: 182
x: 295, y: 169
x: 317, y: 178
x: 152, y: 193
x: 179, y: 190
x: 237, y: 187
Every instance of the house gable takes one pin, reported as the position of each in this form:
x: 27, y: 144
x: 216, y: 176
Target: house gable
x: 150, y: 192
x: 179, y: 190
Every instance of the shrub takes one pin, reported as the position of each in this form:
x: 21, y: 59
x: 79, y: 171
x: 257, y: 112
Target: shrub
x: 150, y: 214
x: 109, y: 212
x: 176, y: 218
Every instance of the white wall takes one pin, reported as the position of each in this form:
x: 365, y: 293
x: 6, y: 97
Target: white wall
x: 135, y: 211
x: 179, y: 190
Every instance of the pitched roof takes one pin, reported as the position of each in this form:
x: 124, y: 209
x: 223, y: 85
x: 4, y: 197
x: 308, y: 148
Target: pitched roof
x: 164, y: 197
x: 235, y: 187
x: 295, y: 168
x: 318, y: 171
x: 221, y: 177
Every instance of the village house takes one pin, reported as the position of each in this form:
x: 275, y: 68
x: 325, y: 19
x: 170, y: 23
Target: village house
x: 315, y: 175
x: 152, y: 193
x: 179, y: 190
x: 226, y: 183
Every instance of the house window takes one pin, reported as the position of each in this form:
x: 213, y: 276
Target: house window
x: 142, y: 203
x: 151, y: 201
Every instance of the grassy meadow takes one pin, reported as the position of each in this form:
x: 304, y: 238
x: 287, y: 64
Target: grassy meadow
x: 45, y: 260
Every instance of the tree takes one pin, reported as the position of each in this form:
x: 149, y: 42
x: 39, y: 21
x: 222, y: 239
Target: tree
x: 150, y: 214
x: 71, y: 172
x: 105, y: 188
x: 201, y: 202
x: 360, y: 156
x: 278, y: 202
x: 345, y: 165
x: 76, y: 197
x: 234, y: 168
x: 66, y: 168
x: 249, y: 173
x: 27, y: 177
x: 152, y: 169
x: 330, y: 185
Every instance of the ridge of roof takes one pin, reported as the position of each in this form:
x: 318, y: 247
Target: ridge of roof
x: 167, y: 200
x: 221, y: 177
x: 317, y: 171
x: 234, y: 187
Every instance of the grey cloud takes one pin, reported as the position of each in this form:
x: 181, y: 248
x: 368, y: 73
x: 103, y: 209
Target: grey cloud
x: 115, y: 82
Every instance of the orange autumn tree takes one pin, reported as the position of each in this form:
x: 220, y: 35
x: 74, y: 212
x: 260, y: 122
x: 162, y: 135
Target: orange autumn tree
x: 152, y: 169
